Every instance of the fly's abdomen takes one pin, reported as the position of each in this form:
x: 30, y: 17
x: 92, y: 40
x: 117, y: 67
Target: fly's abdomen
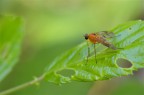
x: 109, y: 45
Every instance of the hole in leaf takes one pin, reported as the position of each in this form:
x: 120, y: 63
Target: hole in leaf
x: 66, y: 72
x: 123, y: 63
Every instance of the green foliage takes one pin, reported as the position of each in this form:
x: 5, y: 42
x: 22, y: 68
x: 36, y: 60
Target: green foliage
x: 129, y: 37
x: 11, y: 34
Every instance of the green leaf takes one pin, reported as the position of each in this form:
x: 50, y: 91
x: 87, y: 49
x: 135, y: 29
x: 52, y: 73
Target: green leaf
x: 130, y: 41
x: 11, y: 34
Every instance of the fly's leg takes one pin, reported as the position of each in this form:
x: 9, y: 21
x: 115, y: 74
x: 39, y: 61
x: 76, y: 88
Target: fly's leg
x: 95, y: 53
x: 88, y: 52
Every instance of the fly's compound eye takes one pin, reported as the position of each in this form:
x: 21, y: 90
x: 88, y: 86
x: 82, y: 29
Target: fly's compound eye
x: 86, y: 36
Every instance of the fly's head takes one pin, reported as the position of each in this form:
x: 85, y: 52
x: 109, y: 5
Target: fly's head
x: 86, y: 36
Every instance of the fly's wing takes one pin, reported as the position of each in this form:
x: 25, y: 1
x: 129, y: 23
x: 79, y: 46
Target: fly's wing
x: 106, y: 34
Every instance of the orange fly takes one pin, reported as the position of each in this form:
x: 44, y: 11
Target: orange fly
x: 99, y: 37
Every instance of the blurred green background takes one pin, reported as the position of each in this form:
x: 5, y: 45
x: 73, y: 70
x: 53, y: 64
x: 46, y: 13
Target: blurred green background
x: 54, y: 26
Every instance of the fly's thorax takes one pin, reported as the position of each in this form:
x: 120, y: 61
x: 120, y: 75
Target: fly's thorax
x: 94, y: 38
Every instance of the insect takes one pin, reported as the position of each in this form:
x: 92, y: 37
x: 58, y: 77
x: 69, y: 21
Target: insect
x: 99, y: 37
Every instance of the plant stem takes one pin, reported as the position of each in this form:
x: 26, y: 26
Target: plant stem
x: 22, y: 85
